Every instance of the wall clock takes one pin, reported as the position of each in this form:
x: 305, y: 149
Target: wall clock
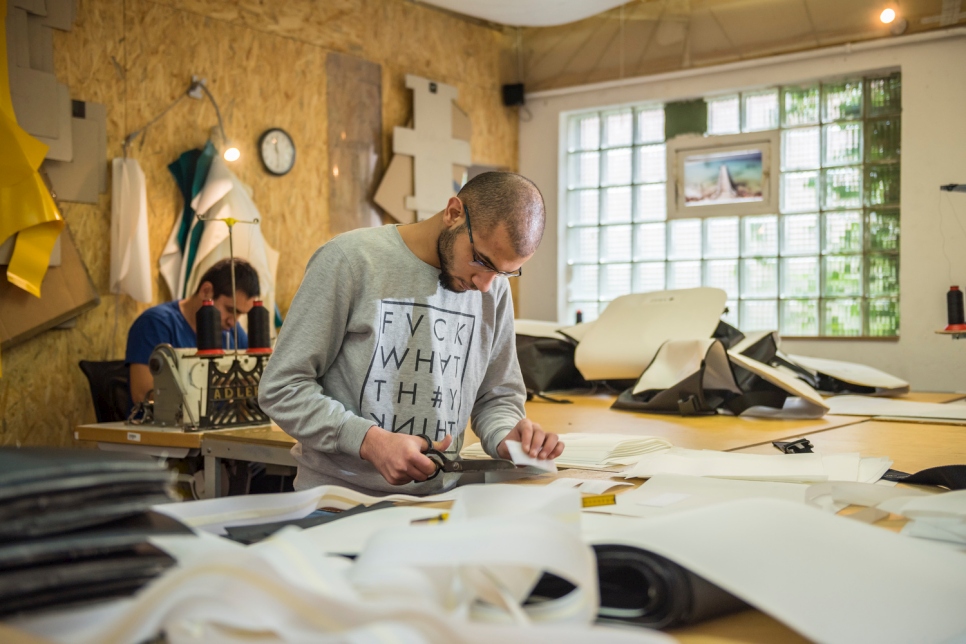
x: 277, y: 151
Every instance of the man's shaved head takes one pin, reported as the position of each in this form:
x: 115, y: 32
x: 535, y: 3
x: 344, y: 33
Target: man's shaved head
x: 510, y: 200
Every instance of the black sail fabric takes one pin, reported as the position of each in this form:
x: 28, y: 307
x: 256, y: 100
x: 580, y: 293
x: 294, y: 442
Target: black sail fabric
x: 645, y: 589
x: 547, y: 364
x: 640, y: 588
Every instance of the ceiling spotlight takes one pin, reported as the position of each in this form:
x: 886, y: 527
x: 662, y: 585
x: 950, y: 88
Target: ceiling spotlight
x: 232, y: 154
x: 887, y: 15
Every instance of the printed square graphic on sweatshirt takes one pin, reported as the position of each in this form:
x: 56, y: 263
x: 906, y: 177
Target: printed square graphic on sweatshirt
x: 414, y: 383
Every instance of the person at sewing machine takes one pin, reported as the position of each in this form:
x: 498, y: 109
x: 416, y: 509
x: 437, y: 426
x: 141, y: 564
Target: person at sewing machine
x: 174, y: 322
x: 403, y: 331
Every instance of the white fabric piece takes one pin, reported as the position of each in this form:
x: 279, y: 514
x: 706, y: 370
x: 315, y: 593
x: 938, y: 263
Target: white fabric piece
x: 753, y: 338
x: 130, y: 247
x: 664, y: 500
x: 836, y: 495
x: 529, y: 13
x: 833, y: 581
x: 587, y: 486
x: 349, y: 536
x: 594, y: 451
x: 599, y: 486
x: 213, y: 515
x: 630, y: 331
x: 519, y: 457
x: 577, y: 331
x: 699, y: 491
x: 872, y: 469
x: 565, y: 482
x: 868, y: 406
x: 795, y: 408
x: 477, y: 501
x: 63, y: 625
x: 792, y: 385
x: 945, y: 504
x: 816, y: 467
x: 856, y: 374
x: 788, y: 468
x: 937, y: 529
x: 842, y: 467
x: 677, y: 360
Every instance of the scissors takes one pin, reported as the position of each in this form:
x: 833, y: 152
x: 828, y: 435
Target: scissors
x: 445, y: 464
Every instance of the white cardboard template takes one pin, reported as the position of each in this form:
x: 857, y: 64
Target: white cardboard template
x: 630, y: 331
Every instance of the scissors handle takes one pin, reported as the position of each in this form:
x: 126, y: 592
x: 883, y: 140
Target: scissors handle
x: 438, y: 458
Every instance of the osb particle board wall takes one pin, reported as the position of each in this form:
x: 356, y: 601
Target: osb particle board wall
x: 265, y: 63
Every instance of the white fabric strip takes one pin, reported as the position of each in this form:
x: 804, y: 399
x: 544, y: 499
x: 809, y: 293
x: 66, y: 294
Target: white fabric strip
x: 830, y: 579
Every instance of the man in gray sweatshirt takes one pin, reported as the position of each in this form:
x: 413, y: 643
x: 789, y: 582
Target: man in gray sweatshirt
x: 406, y: 330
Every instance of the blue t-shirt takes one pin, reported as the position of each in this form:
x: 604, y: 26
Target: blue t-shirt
x: 166, y: 323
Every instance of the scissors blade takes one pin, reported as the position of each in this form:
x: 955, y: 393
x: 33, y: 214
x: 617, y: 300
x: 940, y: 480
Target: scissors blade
x: 477, y: 465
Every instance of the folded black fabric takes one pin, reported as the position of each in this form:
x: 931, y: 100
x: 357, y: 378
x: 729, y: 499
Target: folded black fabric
x: 641, y: 588
x: 51, y: 465
x: 111, y: 560
x: 253, y: 533
x: 124, y: 537
x: 45, y: 491
x: 69, y: 583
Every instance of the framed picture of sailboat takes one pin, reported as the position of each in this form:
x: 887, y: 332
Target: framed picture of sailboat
x: 723, y: 176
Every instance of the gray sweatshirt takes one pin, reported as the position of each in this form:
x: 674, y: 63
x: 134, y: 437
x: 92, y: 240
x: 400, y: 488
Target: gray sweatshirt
x: 372, y: 338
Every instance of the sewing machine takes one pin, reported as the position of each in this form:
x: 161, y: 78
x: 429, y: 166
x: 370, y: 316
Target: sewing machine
x: 204, y: 392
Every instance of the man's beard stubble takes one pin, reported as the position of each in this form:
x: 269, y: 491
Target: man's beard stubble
x: 444, y: 249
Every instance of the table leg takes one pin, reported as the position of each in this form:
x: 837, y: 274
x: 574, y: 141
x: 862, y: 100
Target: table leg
x: 214, y: 486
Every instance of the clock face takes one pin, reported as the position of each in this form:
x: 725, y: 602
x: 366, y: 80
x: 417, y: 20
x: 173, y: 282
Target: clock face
x: 277, y: 151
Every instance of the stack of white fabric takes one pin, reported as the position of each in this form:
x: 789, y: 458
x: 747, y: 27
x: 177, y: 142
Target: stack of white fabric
x: 787, y: 468
x: 595, y: 451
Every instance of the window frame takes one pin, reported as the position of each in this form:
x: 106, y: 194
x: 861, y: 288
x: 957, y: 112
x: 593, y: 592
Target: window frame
x: 886, y: 259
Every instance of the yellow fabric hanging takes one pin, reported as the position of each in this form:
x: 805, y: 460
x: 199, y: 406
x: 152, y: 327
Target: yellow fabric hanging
x: 26, y: 207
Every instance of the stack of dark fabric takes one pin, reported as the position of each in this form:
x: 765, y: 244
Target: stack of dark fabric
x: 74, y: 525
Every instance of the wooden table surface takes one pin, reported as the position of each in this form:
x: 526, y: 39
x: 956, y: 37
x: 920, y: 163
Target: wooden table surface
x: 125, y: 434
x: 912, y: 446
x: 931, y: 396
x: 268, y: 435
x: 592, y: 414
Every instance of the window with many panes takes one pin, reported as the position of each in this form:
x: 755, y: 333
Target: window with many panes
x: 825, y: 264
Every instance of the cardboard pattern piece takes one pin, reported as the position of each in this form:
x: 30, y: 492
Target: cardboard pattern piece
x: 85, y: 177
x: 630, y: 331
x: 67, y: 292
x: 397, y: 182
x: 431, y: 145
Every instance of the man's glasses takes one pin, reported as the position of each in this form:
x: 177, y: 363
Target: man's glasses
x: 479, y: 261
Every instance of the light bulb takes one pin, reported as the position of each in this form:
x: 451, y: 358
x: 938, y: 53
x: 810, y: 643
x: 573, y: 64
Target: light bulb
x: 887, y: 15
x: 232, y: 154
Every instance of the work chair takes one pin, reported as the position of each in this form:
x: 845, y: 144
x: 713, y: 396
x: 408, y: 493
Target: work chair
x: 110, y: 389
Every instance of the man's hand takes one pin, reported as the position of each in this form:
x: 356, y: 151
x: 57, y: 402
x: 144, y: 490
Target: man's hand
x: 533, y: 440
x: 399, y: 457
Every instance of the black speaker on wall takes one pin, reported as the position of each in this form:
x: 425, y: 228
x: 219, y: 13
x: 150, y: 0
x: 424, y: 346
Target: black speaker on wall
x: 513, y: 95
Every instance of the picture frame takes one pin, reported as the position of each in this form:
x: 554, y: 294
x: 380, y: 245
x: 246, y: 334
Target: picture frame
x: 723, y: 176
